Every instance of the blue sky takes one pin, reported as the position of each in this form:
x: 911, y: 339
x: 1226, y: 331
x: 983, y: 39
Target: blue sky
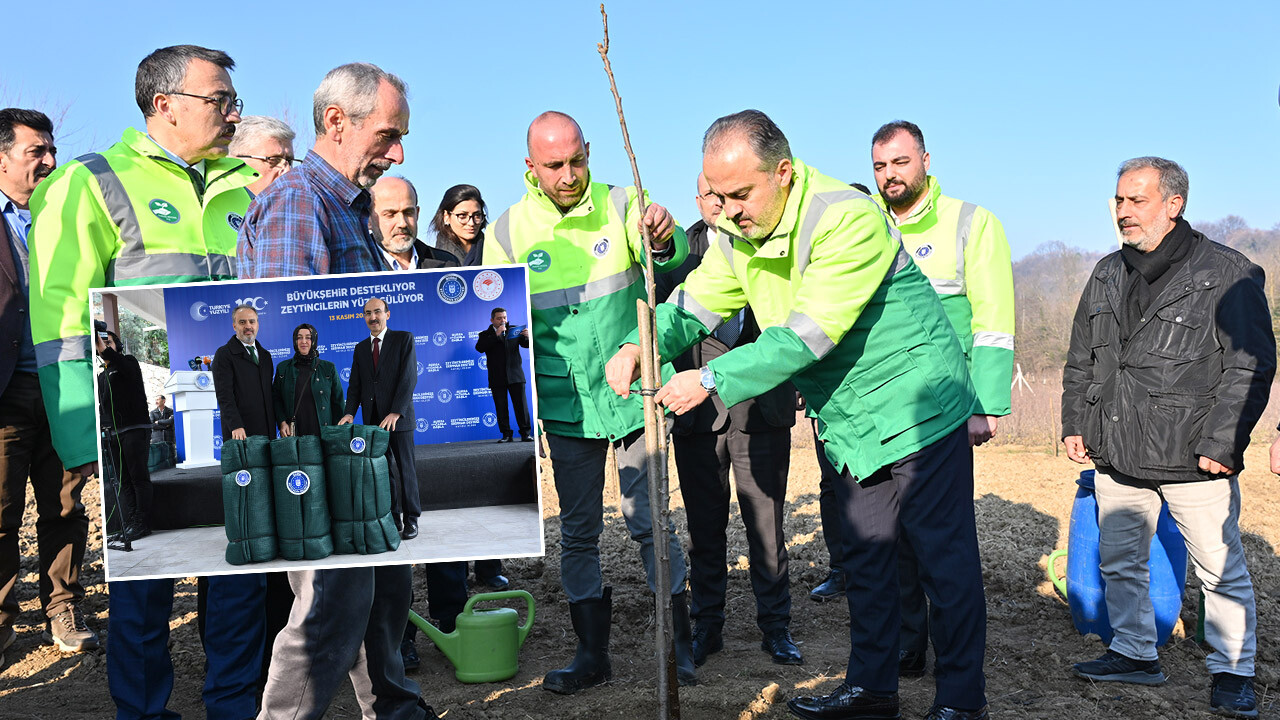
x: 1027, y: 108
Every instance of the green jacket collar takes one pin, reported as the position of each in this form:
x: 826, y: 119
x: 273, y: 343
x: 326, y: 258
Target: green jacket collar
x: 215, y: 168
x: 790, y: 216
x: 584, y: 206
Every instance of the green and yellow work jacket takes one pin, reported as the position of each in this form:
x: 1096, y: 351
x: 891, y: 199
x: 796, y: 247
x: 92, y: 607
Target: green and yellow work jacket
x: 126, y: 216
x: 846, y: 316
x: 585, y: 275
x: 962, y: 249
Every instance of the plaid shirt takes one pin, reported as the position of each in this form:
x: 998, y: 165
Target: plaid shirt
x: 312, y: 221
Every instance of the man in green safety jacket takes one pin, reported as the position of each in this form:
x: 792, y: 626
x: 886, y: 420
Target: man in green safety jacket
x: 854, y: 324
x: 582, y: 243
x: 962, y: 249
x: 157, y: 207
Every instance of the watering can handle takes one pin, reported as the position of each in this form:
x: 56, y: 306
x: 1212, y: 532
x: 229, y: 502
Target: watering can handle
x: 1051, y: 572
x: 504, y: 595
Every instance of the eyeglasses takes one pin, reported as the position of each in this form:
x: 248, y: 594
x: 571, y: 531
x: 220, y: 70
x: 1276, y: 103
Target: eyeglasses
x: 465, y: 218
x: 225, y: 103
x: 273, y: 160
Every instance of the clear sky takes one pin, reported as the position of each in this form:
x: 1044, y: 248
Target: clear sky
x: 1027, y: 108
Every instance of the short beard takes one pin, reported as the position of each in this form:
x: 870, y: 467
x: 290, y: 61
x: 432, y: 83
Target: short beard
x: 910, y: 196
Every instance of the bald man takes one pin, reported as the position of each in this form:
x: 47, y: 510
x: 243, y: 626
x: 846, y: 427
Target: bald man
x: 582, y: 242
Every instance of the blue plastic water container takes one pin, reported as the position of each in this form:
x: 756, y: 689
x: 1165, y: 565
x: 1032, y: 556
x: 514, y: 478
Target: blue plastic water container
x: 1085, y: 587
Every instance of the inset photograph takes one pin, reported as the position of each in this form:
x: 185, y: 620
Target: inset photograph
x: 265, y: 425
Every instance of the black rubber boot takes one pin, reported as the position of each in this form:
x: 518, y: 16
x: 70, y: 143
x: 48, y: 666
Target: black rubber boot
x: 683, y: 637
x: 590, y: 666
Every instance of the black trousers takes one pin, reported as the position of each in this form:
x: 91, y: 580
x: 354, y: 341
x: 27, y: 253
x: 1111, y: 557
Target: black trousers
x: 62, y: 526
x: 760, y: 463
x: 129, y: 452
x: 925, y: 499
x: 827, y: 503
x: 446, y: 594
x: 405, y: 498
x: 516, y: 392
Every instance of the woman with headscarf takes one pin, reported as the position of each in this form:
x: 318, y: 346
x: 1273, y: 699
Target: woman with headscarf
x: 307, y: 392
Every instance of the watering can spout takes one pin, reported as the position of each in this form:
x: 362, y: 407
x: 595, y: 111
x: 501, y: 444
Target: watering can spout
x: 486, y: 643
x: 447, y: 642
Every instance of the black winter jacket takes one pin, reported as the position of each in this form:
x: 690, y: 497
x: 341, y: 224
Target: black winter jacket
x: 1192, y: 380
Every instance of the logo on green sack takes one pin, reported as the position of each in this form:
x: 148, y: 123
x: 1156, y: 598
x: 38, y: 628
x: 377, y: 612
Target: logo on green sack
x: 539, y: 261
x: 357, y: 445
x: 243, y: 477
x: 298, y: 482
x: 164, y: 210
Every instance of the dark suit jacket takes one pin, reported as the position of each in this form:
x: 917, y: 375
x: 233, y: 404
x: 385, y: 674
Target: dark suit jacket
x: 388, y: 390
x: 505, y: 365
x: 774, y: 409
x: 244, y: 389
x: 13, y: 308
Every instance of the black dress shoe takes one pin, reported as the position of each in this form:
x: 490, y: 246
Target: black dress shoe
x: 409, y: 654
x: 526, y: 438
x: 396, y: 518
x: 942, y: 712
x: 847, y: 703
x: 830, y: 589
x: 410, y: 529
x: 910, y: 664
x: 707, y: 640
x: 506, y: 439
x: 497, y: 582
x: 781, y: 647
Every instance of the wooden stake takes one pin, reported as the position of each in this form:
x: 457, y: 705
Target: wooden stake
x: 655, y: 433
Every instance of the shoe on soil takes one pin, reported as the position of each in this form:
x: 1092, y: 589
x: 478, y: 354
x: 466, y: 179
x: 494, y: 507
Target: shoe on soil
x: 942, y: 712
x: 846, y: 703
x: 830, y: 589
x: 911, y: 664
x: 707, y: 640
x: 1114, y: 667
x: 409, y: 655
x: 1233, y: 696
x: 68, y: 631
x: 781, y: 648
x: 590, y: 667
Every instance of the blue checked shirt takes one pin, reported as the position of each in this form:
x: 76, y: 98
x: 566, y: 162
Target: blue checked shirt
x: 311, y: 221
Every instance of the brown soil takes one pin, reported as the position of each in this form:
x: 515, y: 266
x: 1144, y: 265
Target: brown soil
x: 1024, y: 500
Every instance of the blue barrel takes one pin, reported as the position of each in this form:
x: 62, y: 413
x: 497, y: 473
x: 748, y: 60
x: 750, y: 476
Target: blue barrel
x: 1085, y: 588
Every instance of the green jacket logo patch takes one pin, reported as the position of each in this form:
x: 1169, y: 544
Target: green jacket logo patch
x: 164, y: 210
x: 539, y: 261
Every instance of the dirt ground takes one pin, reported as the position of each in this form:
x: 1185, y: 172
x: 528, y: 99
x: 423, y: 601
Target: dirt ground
x: 1023, y: 500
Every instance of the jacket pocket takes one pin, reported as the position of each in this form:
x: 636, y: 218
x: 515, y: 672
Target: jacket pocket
x: 1093, y: 424
x: 1169, y: 425
x: 558, y: 399
x: 1181, y: 334
x: 1103, y: 327
x: 896, y: 395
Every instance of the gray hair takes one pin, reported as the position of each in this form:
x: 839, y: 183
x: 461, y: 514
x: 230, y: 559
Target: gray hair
x: 244, y: 306
x: 254, y: 127
x: 764, y: 137
x: 354, y: 88
x: 164, y: 70
x: 1173, y: 179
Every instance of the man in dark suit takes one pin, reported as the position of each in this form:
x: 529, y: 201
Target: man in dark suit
x: 242, y: 372
x: 506, y: 373
x: 27, y: 156
x: 384, y: 371
x: 754, y: 437
x: 394, y: 224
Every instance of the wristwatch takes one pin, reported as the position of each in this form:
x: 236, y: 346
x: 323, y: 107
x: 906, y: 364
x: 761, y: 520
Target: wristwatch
x: 708, y: 380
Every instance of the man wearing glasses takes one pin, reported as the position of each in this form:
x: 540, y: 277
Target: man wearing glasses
x: 160, y: 206
x: 265, y: 144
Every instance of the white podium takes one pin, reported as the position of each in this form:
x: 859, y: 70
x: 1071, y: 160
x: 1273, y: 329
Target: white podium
x: 193, y: 396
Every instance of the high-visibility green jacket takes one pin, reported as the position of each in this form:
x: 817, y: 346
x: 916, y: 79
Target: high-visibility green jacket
x: 585, y: 277
x: 846, y: 316
x: 962, y: 249
x: 126, y: 216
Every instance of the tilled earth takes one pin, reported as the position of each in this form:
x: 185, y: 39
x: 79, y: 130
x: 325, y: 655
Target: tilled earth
x: 1023, y: 501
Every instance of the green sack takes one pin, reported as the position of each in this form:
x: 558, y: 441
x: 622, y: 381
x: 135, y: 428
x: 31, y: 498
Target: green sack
x: 301, y: 503
x: 246, y: 501
x: 359, y: 480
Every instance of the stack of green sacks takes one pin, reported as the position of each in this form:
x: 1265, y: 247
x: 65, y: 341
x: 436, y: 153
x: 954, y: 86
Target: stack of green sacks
x: 301, y: 503
x: 246, y: 501
x: 359, y: 483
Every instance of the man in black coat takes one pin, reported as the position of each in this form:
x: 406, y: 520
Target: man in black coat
x: 1170, y: 366
x: 394, y: 224
x: 506, y: 373
x: 162, y: 432
x: 754, y: 437
x: 242, y: 373
x: 384, y: 371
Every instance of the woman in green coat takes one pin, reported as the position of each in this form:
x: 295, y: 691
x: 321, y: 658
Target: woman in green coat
x: 301, y: 412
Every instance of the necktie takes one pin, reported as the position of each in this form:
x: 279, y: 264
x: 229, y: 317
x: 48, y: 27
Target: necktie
x: 376, y: 341
x: 253, y: 353
x: 730, y: 331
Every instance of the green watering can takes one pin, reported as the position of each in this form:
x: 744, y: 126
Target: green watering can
x: 485, y: 646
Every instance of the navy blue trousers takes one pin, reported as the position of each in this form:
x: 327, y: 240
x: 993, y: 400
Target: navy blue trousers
x: 139, y: 669
x: 926, y: 499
